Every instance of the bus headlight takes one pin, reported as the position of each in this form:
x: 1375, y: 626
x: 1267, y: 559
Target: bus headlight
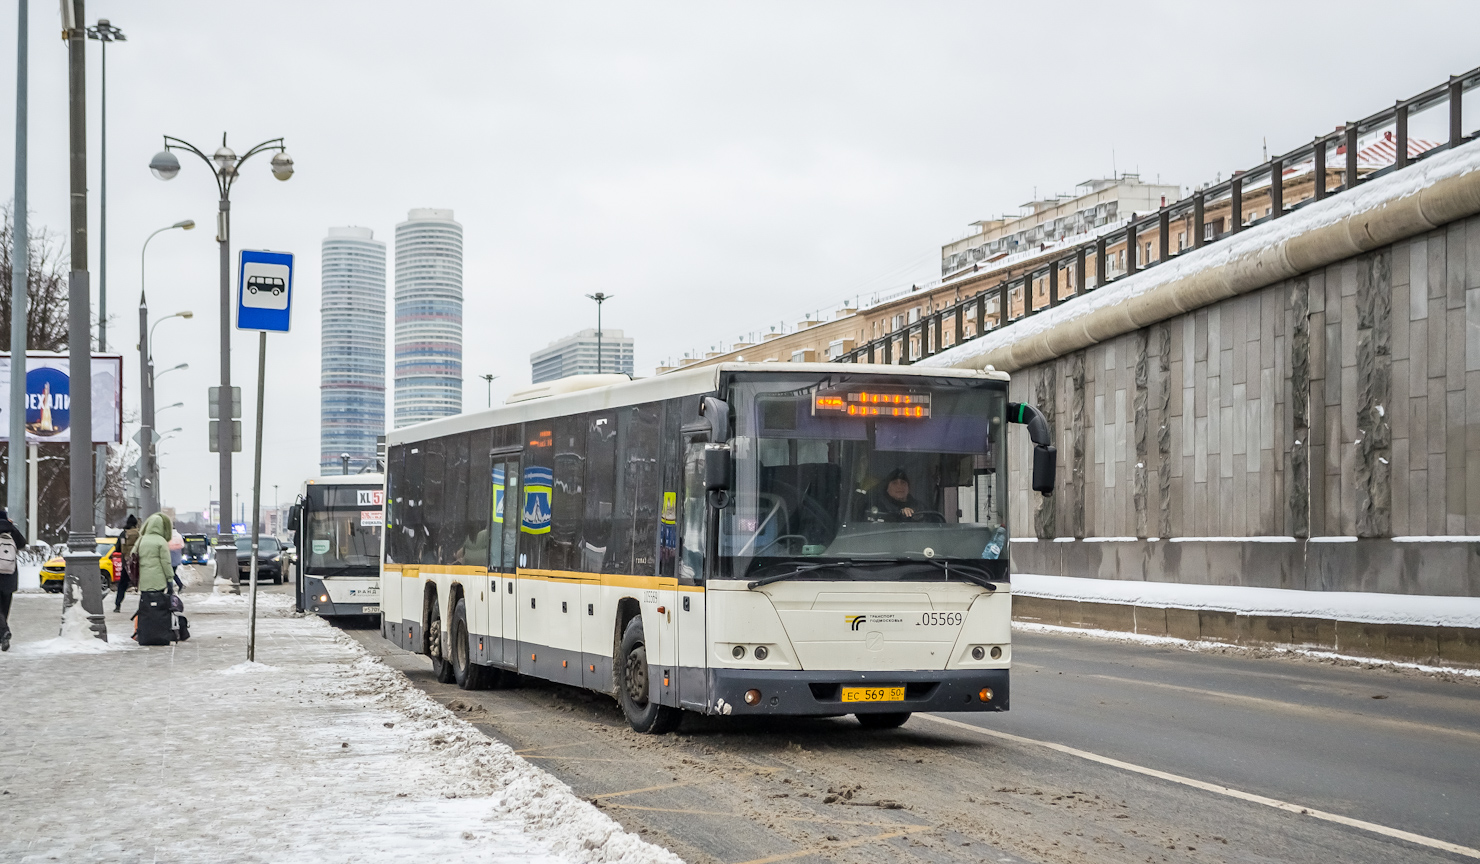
x: 737, y: 652
x: 996, y: 652
x: 761, y: 653
x: 978, y: 653
x: 323, y: 598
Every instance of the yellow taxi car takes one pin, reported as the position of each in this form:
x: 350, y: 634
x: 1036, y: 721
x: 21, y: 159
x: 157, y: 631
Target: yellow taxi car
x: 110, y: 566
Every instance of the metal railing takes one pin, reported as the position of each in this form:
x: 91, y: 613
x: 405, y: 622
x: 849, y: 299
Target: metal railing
x: 1064, y: 278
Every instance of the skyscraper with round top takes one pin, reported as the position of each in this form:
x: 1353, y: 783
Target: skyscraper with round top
x: 429, y: 303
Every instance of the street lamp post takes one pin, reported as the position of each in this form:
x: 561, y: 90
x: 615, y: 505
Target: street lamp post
x: 104, y: 32
x: 224, y: 165
x: 81, y: 530
x: 148, y: 500
x: 489, y: 378
x: 19, y: 278
x: 600, y: 298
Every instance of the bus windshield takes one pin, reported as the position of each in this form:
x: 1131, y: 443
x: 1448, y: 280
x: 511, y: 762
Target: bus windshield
x: 849, y: 469
x: 342, y: 535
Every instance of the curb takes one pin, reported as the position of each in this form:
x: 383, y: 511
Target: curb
x: 1410, y: 643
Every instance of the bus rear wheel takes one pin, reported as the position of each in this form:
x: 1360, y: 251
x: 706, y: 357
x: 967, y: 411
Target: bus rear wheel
x: 435, y: 646
x: 633, y: 688
x: 889, y: 720
x: 467, y: 674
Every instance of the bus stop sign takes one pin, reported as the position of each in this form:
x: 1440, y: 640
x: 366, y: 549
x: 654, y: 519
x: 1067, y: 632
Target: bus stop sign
x: 264, y: 291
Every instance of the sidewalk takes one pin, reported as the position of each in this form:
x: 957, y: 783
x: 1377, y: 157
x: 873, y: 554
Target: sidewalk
x: 319, y: 753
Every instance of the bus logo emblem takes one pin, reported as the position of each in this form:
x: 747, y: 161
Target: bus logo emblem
x: 855, y: 621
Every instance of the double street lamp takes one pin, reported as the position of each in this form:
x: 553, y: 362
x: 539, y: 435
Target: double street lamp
x: 225, y: 165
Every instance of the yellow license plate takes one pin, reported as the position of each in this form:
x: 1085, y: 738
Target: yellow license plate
x: 873, y: 694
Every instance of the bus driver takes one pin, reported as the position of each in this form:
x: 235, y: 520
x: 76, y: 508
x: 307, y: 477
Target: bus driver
x: 893, y: 501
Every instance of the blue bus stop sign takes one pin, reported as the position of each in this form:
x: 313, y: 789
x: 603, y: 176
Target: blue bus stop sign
x: 264, y: 291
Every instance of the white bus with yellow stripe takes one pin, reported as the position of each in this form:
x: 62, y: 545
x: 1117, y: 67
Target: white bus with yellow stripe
x: 741, y: 539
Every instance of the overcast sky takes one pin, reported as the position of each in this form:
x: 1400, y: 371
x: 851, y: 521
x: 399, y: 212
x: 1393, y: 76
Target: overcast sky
x: 719, y: 168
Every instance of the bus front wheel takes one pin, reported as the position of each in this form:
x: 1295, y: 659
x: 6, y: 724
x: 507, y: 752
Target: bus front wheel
x: 469, y: 675
x: 633, y: 687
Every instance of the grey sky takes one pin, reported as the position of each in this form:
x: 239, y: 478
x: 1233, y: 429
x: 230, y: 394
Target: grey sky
x: 719, y: 169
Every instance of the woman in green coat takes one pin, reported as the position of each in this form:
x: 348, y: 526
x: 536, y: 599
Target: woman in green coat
x: 154, y: 553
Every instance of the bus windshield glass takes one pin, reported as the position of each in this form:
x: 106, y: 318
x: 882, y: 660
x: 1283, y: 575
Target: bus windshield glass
x: 866, y: 470
x: 343, y: 534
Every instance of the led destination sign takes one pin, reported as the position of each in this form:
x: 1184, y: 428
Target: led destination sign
x: 872, y: 403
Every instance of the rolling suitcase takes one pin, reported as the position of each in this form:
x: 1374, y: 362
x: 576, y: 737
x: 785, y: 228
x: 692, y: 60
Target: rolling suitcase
x: 154, y: 619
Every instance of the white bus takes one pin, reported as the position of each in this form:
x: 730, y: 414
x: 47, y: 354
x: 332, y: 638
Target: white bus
x: 741, y: 539
x: 336, y: 525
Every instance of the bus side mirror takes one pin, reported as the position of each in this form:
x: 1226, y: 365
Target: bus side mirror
x: 294, y: 513
x: 1045, y: 456
x: 716, y: 469
x: 1045, y: 465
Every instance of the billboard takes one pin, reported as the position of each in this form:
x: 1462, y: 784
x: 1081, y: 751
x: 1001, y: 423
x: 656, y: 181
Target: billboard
x: 49, y: 399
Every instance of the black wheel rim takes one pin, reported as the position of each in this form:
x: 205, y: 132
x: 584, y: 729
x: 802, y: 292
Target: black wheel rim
x: 637, y: 676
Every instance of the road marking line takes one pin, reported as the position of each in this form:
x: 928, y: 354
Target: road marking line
x: 1276, y: 803
x: 636, y: 791
x: 846, y: 844
x: 1294, y: 708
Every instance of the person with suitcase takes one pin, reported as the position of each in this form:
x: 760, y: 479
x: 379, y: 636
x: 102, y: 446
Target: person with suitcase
x: 126, y: 543
x: 11, y: 542
x: 155, y: 574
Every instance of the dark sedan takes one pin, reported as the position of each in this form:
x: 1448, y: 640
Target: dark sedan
x: 269, y: 559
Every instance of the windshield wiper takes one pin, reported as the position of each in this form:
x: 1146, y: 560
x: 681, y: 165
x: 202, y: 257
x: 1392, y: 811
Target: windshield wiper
x: 975, y: 575
x: 818, y: 565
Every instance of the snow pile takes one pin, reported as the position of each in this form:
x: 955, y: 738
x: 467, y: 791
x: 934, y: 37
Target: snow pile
x: 455, y: 760
x: 1421, y: 609
x: 76, y: 637
x: 248, y: 666
x: 274, y: 604
x: 1249, y: 242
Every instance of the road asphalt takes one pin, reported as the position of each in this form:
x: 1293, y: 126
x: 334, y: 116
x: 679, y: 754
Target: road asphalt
x: 1391, y: 747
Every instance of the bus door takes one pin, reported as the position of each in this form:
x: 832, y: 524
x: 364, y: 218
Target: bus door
x: 693, y: 562
x: 503, y: 543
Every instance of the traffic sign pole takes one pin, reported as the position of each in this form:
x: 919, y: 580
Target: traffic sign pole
x: 263, y: 302
x: 257, y: 492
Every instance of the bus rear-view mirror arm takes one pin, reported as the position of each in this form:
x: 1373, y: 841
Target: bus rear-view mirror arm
x: 1045, y: 455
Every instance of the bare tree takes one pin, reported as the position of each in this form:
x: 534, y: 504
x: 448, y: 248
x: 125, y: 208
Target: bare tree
x: 47, y: 330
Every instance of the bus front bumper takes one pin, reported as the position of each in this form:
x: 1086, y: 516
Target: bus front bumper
x: 792, y: 692
x: 317, y: 598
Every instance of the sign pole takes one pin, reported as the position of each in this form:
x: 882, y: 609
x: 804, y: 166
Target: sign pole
x: 264, y: 299
x: 257, y: 491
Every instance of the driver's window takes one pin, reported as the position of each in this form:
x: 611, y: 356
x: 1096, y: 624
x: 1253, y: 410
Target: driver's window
x: 695, y: 515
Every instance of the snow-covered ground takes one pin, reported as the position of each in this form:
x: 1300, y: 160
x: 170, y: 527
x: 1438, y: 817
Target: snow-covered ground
x: 316, y: 753
x: 1337, y: 605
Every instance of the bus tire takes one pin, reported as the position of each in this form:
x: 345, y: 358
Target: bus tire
x: 467, y: 674
x: 440, y: 667
x: 889, y: 720
x: 643, y: 712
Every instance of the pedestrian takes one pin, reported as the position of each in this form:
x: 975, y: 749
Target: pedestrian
x: 154, y: 554
x: 126, y: 544
x: 153, y: 549
x: 177, y: 555
x: 11, y: 542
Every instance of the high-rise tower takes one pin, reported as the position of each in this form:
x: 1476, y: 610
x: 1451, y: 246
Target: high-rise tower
x: 429, y: 305
x: 352, y: 364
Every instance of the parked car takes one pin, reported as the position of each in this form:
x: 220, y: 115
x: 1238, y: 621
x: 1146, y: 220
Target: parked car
x: 110, y: 567
x: 269, y: 559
